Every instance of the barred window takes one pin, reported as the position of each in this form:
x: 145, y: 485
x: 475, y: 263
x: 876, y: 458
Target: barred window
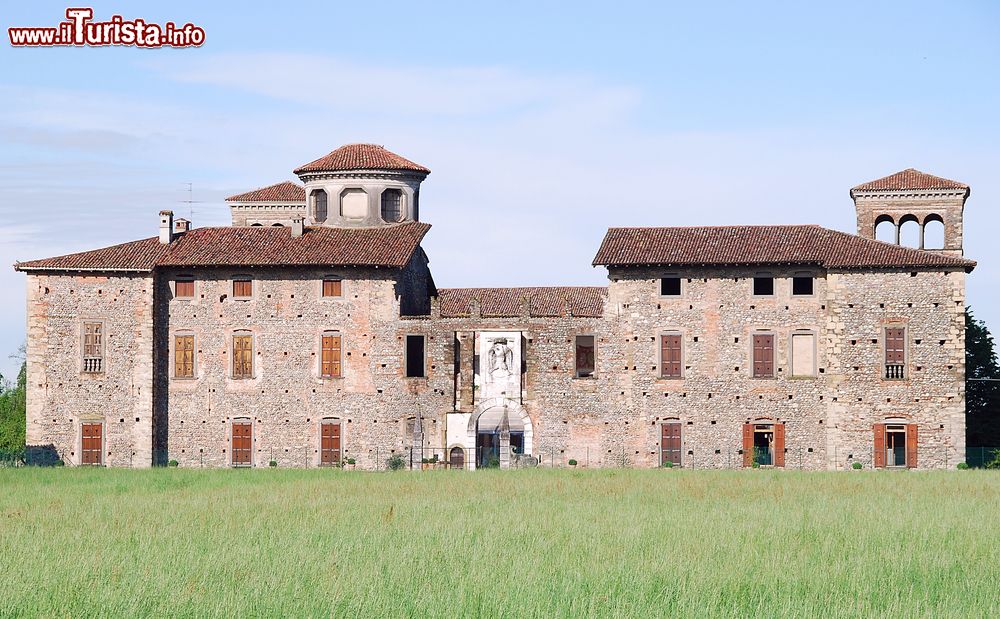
x: 392, y: 205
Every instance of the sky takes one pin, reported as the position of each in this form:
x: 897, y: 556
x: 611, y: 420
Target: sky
x: 543, y: 123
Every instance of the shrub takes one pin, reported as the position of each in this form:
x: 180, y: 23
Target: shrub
x: 173, y: 463
x: 572, y: 462
x: 351, y: 461
x: 668, y: 465
x: 856, y: 466
x: 425, y: 461
x: 963, y: 466
x: 272, y: 463
x: 59, y: 463
x: 434, y: 459
x: 396, y: 462
x: 756, y: 465
x: 995, y: 462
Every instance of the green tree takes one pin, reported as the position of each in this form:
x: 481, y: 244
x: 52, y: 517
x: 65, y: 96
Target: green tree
x: 12, y: 408
x: 982, y: 397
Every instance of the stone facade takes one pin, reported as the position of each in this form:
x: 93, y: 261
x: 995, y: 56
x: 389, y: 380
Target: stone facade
x: 827, y: 394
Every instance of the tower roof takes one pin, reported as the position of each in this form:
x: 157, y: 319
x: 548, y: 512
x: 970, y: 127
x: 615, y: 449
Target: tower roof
x: 279, y: 192
x: 361, y: 157
x: 909, y: 179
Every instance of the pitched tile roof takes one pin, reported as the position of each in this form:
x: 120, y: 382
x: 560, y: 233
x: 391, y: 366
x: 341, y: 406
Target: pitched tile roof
x: 581, y: 301
x: 909, y: 179
x: 385, y: 246
x: 279, y: 192
x: 361, y: 157
x: 760, y: 245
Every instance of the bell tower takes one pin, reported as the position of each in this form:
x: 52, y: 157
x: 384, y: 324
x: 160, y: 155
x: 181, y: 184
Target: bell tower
x: 913, y: 196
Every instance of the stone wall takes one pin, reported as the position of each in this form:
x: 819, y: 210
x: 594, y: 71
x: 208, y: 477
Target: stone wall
x: 61, y: 395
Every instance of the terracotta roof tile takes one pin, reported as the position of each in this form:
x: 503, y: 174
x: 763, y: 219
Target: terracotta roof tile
x: 761, y: 245
x: 279, y: 192
x: 580, y: 301
x: 361, y: 157
x: 386, y: 246
x: 909, y: 179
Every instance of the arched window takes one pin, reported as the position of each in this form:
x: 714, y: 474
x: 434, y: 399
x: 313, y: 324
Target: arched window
x: 277, y: 226
x: 909, y: 231
x: 256, y: 225
x: 392, y: 205
x: 456, y: 458
x: 933, y: 232
x: 885, y: 229
x: 319, y: 206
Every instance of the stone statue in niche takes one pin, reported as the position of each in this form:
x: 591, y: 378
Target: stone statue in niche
x: 501, y: 362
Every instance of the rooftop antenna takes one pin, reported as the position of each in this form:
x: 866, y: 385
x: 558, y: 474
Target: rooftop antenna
x: 190, y: 201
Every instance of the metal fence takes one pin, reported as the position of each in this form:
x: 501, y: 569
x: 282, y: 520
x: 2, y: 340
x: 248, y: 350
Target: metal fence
x: 406, y: 458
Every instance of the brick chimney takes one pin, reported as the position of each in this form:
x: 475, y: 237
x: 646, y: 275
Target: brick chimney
x: 166, y: 227
x: 181, y: 225
x: 296, y: 227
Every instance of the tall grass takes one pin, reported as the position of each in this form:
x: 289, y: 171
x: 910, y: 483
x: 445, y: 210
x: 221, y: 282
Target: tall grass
x: 626, y: 543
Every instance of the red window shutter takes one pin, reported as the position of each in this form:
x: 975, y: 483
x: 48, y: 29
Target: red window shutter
x: 895, y: 349
x: 747, y: 444
x: 332, y: 288
x: 911, y: 445
x: 879, y: 430
x: 670, y: 356
x: 779, y: 444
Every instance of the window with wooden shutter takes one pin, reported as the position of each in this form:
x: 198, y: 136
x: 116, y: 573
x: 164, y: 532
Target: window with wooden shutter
x: 333, y: 287
x: 748, y: 444
x: 879, y: 431
x: 670, y: 356
x: 92, y: 443
x: 779, y: 444
x: 93, y: 347
x: 242, y: 443
x: 763, y: 355
x: 242, y: 287
x: 895, y: 353
x: 329, y: 439
x: 184, y: 356
x: 243, y: 356
x: 911, y: 445
x: 330, y: 357
x: 184, y: 288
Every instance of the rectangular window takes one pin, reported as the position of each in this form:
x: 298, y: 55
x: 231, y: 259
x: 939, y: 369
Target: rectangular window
x: 895, y: 353
x: 184, y: 288
x: 896, y: 445
x: 184, y: 356
x: 670, y: 444
x: 332, y: 288
x: 763, y: 356
x: 242, y: 445
x: 763, y: 286
x: 93, y: 347
x: 670, y: 356
x: 803, y: 354
x: 92, y: 443
x: 242, y: 356
x: 330, y: 357
x: 670, y: 286
x: 414, y: 356
x: 585, y: 357
x: 242, y: 288
x: 329, y: 447
x: 802, y: 285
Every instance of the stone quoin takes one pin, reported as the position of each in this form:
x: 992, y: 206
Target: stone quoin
x: 310, y: 331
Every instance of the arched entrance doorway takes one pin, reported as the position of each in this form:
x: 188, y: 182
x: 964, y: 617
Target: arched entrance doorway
x: 486, y: 426
x: 456, y: 458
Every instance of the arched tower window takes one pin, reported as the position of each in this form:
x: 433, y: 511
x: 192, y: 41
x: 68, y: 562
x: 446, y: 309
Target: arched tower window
x: 909, y: 231
x: 392, y: 205
x: 933, y: 232
x: 885, y: 229
x: 320, y: 211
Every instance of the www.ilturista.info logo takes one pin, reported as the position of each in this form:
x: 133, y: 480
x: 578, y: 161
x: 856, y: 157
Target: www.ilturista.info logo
x: 79, y: 29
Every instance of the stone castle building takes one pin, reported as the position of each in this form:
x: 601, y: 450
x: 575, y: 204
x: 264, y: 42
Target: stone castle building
x: 310, y: 332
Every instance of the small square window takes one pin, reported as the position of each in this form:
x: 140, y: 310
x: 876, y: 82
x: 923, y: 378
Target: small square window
x: 242, y: 287
x: 670, y: 286
x: 763, y: 286
x: 802, y: 285
x: 184, y: 288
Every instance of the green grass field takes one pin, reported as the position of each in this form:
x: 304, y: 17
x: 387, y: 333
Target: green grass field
x: 626, y: 543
